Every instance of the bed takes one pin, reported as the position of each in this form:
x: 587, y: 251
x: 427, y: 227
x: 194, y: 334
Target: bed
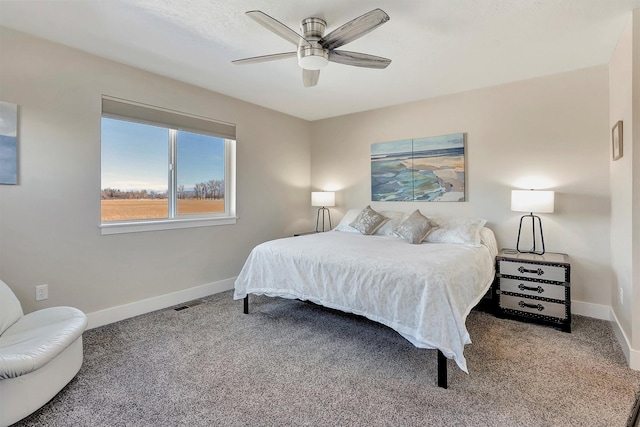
x: 423, y: 291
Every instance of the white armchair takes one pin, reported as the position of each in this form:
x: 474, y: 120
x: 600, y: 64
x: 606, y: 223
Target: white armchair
x: 39, y: 354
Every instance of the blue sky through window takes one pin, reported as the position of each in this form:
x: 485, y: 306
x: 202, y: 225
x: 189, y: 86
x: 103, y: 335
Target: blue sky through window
x: 135, y: 156
x: 200, y: 159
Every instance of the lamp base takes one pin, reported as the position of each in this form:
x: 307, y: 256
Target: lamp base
x: 533, y: 236
x: 323, y: 210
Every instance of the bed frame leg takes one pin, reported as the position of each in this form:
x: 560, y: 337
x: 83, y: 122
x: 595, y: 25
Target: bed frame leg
x: 442, y: 370
x: 246, y: 304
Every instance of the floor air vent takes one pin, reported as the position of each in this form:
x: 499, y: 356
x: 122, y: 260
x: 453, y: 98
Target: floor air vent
x: 189, y: 305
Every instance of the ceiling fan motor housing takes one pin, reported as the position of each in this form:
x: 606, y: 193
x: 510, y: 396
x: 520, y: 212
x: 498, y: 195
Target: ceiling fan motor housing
x: 313, y: 56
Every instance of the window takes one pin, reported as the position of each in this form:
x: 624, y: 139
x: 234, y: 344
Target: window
x: 162, y: 169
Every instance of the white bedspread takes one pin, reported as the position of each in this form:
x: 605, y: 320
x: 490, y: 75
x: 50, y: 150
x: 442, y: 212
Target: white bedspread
x: 424, y: 292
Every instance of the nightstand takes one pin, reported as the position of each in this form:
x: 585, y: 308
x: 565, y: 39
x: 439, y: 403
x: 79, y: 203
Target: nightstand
x: 305, y: 233
x: 534, y: 288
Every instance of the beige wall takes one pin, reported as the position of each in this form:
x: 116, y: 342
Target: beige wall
x: 49, y: 222
x: 624, y: 99
x: 552, y: 130
x: 621, y: 175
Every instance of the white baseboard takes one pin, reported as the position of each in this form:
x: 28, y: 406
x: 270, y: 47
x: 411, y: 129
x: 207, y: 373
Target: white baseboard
x: 605, y: 312
x: 136, y: 308
x: 632, y: 356
x: 597, y: 311
x: 634, y: 359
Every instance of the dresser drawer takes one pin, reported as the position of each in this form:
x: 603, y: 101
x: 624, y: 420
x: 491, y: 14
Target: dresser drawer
x: 533, y: 271
x: 526, y: 287
x: 527, y: 305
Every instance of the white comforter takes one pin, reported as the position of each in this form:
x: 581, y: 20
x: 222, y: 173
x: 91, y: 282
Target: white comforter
x: 424, y: 292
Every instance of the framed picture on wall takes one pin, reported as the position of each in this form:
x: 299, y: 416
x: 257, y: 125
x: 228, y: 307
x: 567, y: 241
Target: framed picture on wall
x: 429, y: 169
x: 8, y: 143
x: 616, y: 140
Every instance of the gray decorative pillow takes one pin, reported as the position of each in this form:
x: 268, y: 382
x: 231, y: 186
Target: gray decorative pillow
x: 368, y: 221
x: 414, y: 228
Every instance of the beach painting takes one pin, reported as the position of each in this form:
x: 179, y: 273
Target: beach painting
x: 8, y: 143
x: 430, y: 169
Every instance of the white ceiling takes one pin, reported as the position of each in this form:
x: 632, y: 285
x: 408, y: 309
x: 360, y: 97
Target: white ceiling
x: 437, y: 47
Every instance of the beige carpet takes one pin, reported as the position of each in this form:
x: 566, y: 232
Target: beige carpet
x: 289, y: 363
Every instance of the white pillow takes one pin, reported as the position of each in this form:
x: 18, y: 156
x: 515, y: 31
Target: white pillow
x: 395, y: 218
x: 368, y: 221
x: 414, y: 228
x: 348, y: 219
x: 464, y: 231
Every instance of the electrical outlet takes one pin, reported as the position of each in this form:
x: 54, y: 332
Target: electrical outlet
x: 42, y: 292
x: 620, y: 296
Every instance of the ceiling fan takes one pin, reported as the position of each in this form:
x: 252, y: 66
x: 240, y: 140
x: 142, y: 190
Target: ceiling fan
x: 316, y: 50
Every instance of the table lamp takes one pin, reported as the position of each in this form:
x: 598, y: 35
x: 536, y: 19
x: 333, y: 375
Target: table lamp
x: 323, y: 199
x: 532, y: 201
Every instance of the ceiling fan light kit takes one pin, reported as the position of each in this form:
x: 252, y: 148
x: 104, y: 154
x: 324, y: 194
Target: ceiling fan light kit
x: 315, y: 50
x: 309, y: 59
x: 312, y: 56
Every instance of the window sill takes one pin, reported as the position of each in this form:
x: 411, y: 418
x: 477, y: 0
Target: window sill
x: 172, y: 224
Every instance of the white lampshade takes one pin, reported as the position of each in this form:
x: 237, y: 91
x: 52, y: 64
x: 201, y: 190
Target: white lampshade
x: 323, y: 198
x: 532, y: 201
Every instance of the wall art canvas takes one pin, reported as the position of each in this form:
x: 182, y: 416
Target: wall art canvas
x: 430, y: 169
x: 616, y: 140
x: 8, y: 143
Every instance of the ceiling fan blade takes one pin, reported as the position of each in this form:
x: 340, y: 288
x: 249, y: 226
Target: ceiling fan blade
x: 265, y: 58
x: 277, y: 27
x: 310, y: 77
x: 358, y: 59
x: 354, y: 29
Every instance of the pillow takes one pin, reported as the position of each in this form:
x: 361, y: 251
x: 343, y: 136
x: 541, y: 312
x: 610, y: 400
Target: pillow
x: 348, y: 219
x: 387, y: 229
x: 368, y: 221
x: 414, y: 228
x: 464, y: 231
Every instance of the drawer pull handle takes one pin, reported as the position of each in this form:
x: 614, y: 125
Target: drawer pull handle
x: 523, y: 287
x: 538, y: 307
x: 538, y: 271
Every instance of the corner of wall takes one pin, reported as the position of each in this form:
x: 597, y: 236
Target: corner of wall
x: 632, y: 356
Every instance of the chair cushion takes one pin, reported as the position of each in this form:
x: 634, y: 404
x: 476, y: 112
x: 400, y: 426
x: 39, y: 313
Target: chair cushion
x: 37, y: 338
x: 10, y: 308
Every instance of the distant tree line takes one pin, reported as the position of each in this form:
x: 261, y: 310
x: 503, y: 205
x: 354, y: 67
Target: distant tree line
x: 212, y: 189
x: 114, y: 193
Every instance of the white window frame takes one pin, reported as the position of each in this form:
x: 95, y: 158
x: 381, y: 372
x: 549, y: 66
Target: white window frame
x: 174, y: 121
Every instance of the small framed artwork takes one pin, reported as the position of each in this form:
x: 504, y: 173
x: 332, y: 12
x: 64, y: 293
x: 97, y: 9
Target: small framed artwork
x: 616, y: 140
x: 8, y: 143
